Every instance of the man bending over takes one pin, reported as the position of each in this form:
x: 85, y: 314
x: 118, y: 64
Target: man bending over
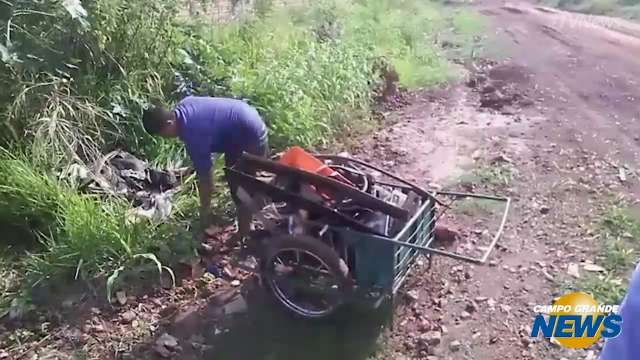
x: 208, y: 125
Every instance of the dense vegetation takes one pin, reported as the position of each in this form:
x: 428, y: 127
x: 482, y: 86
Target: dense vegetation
x: 75, y: 78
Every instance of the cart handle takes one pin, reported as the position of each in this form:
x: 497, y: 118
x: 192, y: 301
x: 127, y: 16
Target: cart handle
x: 427, y: 249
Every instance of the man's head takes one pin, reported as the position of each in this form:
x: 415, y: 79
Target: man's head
x: 159, y: 121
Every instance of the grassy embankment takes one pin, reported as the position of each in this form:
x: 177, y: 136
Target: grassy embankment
x: 75, y: 79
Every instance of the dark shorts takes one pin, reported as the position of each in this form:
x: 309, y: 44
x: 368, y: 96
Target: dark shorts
x: 260, y: 148
x: 230, y: 159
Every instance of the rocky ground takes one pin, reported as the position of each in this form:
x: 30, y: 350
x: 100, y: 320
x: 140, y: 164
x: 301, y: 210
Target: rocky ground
x: 553, y: 124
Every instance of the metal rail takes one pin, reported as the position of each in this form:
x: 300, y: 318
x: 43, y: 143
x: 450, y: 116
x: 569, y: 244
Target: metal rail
x: 420, y: 191
x: 427, y: 249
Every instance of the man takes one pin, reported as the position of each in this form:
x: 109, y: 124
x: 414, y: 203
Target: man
x: 208, y: 125
x: 626, y: 346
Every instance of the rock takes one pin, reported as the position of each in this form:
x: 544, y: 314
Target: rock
x: 501, y: 159
x: 413, y: 295
x: 455, y: 345
x: 526, y: 341
x: 547, y: 275
x: 544, y: 209
x: 127, y: 317
x: 574, y: 270
x: 166, y: 346
x: 593, y: 268
x: 432, y: 338
x: 471, y: 307
x: 235, y: 283
x: 121, y: 297
x: 445, y: 236
x: 4, y: 354
x: 465, y: 315
x: 528, y: 288
x: 432, y: 357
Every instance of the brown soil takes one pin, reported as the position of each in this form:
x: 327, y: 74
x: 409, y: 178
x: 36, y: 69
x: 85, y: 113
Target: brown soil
x: 558, y: 118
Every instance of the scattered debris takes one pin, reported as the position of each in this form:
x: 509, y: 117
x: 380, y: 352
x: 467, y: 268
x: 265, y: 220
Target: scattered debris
x: 167, y: 346
x: 574, y: 270
x: 128, y: 317
x: 121, y: 173
x: 593, y: 268
x: 502, y: 158
x: 455, y: 345
x: 414, y: 295
x: 471, y: 307
x: 622, y: 174
x: 121, y: 297
x: 432, y: 338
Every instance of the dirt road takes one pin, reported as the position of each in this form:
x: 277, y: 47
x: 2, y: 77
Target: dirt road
x: 557, y: 119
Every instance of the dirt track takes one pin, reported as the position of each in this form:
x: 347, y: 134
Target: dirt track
x: 562, y: 109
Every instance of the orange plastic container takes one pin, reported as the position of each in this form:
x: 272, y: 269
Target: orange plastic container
x: 297, y: 157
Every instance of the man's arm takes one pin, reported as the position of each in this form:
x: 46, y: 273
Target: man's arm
x: 205, y: 190
x: 198, y: 148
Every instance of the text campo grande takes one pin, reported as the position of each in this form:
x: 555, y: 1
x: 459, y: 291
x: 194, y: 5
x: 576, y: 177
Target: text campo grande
x: 602, y: 308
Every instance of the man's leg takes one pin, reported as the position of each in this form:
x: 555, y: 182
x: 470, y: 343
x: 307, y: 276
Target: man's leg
x: 243, y: 214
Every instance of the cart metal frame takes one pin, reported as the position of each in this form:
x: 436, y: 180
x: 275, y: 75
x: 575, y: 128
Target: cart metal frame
x: 381, y: 262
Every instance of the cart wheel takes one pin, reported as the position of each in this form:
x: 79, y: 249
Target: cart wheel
x: 305, y: 275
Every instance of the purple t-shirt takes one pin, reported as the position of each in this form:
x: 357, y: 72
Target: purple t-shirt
x: 627, y: 345
x: 209, y: 125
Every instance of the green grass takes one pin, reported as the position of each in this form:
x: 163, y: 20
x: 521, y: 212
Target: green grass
x: 492, y: 175
x: 476, y: 207
x: 619, y: 236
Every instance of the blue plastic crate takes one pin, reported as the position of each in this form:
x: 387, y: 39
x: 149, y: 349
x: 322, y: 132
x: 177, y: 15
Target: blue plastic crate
x: 381, y: 266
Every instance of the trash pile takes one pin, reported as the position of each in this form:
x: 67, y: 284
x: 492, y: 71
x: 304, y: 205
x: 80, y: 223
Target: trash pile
x: 331, y: 191
x: 120, y: 173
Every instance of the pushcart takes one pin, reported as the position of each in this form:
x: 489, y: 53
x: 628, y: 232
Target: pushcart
x: 343, y: 232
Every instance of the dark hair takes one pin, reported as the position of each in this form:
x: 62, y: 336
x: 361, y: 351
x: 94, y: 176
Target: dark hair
x: 154, y: 119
